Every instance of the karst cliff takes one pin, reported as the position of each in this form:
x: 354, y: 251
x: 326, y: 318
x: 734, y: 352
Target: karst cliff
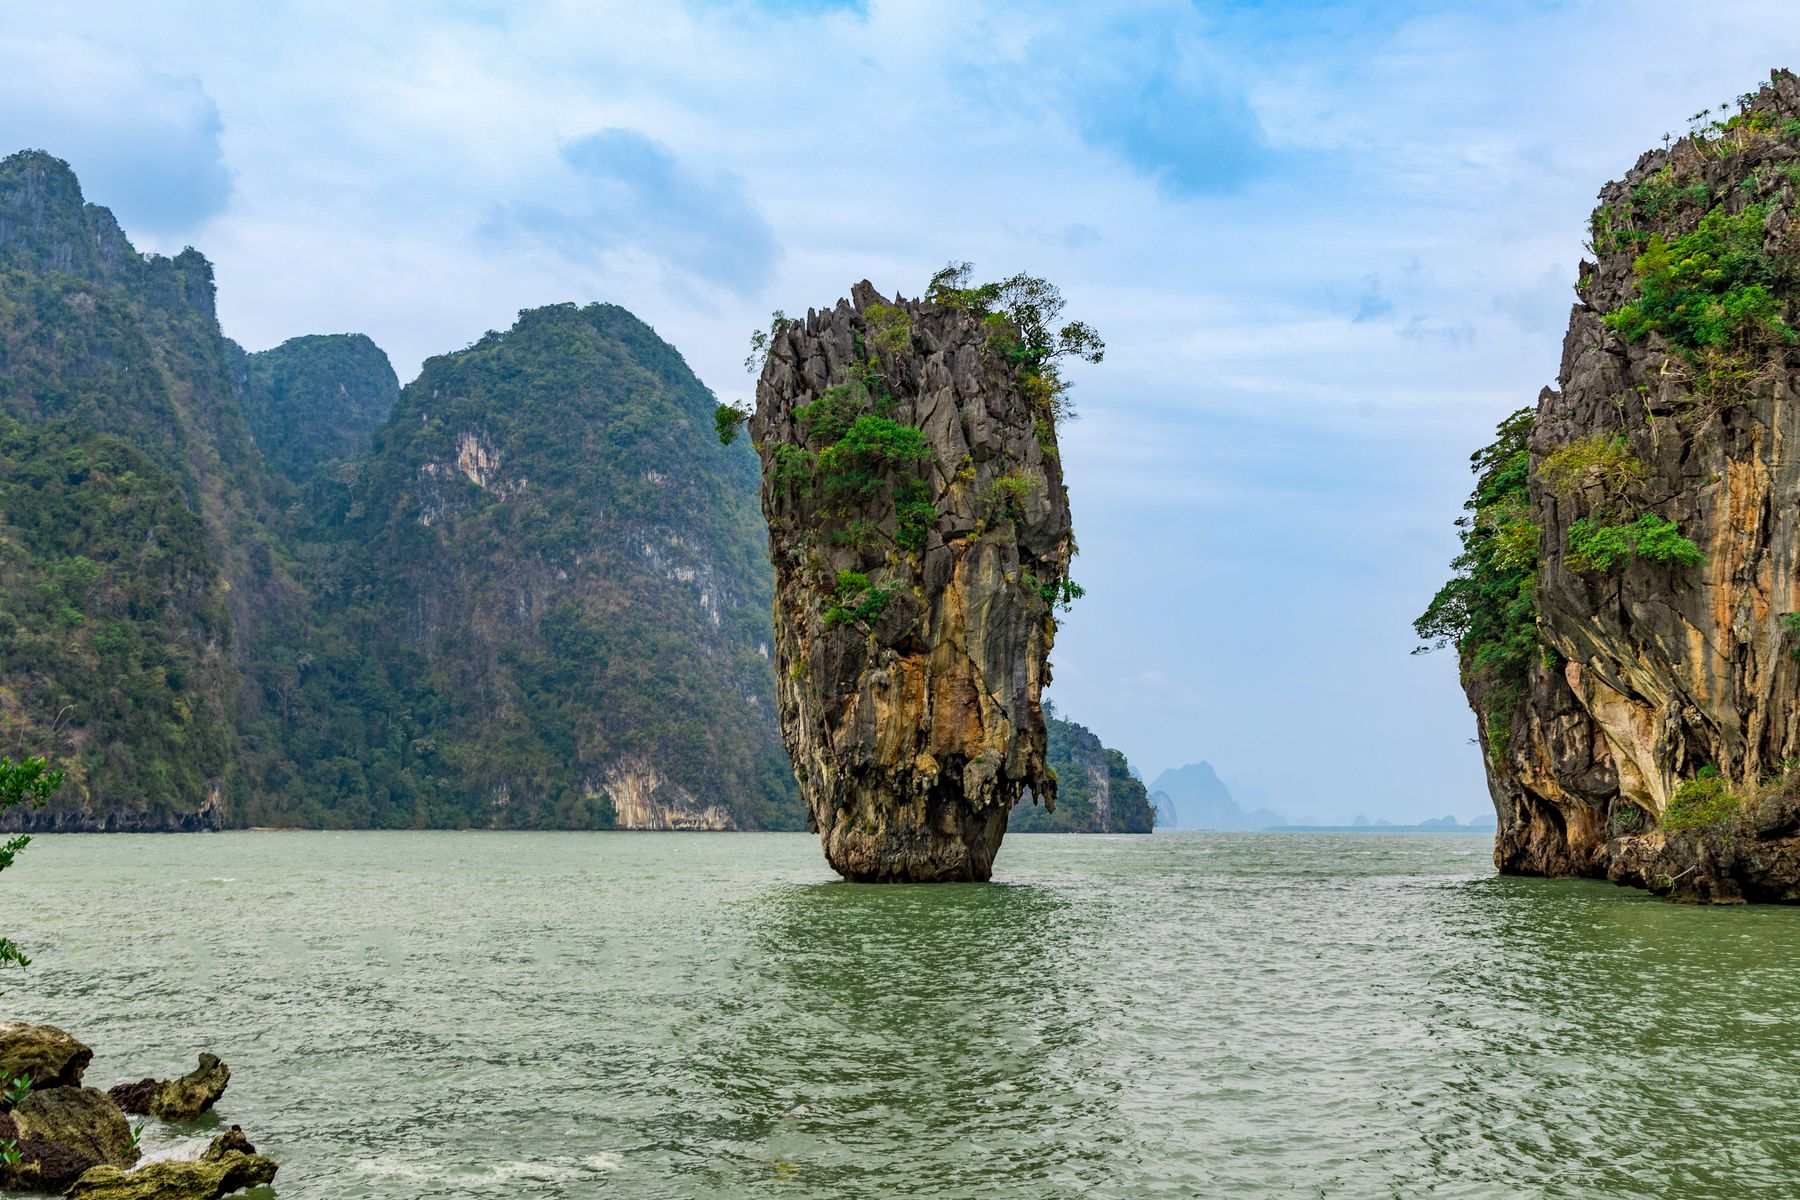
x: 1627, y: 605
x: 920, y: 533
x: 528, y: 590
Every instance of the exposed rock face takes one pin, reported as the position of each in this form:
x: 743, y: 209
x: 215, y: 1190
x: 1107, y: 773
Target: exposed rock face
x: 646, y: 799
x: 1659, y: 667
x: 912, y: 628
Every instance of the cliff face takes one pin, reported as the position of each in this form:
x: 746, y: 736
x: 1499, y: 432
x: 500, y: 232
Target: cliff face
x: 536, y: 597
x: 1628, y: 628
x: 1096, y: 789
x: 559, y: 613
x: 920, y: 531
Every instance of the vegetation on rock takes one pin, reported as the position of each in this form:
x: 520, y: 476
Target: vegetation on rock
x: 28, y: 781
x: 1488, y: 609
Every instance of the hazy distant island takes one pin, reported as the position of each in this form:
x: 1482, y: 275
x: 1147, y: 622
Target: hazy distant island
x: 1194, y: 797
x: 1362, y: 824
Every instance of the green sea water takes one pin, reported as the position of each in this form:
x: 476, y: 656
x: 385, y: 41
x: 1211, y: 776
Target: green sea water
x: 695, y: 1015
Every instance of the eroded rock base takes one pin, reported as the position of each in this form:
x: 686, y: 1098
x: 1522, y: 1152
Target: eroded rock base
x: 931, y: 839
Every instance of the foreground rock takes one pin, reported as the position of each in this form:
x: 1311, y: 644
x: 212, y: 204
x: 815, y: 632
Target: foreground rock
x: 42, y: 1053
x: 225, y: 1168
x: 1630, y: 624
x: 73, y: 1137
x: 183, y: 1099
x: 61, y: 1133
x: 920, y: 533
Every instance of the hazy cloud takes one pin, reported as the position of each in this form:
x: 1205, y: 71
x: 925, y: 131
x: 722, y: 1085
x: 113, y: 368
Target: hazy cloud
x: 629, y: 194
x: 144, y: 143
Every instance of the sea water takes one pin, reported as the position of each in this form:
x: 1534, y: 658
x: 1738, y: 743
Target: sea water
x: 714, y: 1015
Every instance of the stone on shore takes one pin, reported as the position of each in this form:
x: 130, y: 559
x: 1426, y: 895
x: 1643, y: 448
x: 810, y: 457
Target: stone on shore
x: 44, y: 1053
x: 183, y: 1099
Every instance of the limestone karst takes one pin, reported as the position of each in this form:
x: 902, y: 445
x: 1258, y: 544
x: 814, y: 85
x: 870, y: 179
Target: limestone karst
x: 921, y: 538
x: 1627, y: 608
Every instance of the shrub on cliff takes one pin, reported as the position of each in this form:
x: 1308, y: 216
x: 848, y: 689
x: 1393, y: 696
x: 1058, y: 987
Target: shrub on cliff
x: 1596, y: 544
x: 1595, y: 459
x: 1712, y: 288
x: 1700, y: 803
x: 1488, y: 609
x: 1020, y: 315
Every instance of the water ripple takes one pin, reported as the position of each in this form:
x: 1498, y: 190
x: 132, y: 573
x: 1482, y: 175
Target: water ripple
x: 570, y: 1015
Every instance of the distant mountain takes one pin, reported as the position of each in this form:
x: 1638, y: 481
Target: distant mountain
x: 1198, y: 799
x: 1362, y: 824
x: 1096, y: 789
x: 530, y: 591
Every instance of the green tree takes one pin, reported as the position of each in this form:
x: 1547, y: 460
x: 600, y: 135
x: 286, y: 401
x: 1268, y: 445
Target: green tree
x: 1488, y: 609
x: 27, y: 781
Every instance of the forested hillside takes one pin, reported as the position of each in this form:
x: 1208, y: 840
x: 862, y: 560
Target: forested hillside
x: 543, y: 594
x: 267, y: 588
x: 1096, y: 789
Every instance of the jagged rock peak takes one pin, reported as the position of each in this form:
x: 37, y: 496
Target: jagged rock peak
x: 47, y: 228
x: 920, y: 533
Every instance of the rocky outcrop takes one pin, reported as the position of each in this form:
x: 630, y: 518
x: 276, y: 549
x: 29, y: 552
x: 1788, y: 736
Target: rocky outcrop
x: 1649, y: 735
x: 183, y: 1099
x: 76, y: 1140
x: 920, y: 530
x: 224, y: 1168
x: 80, y: 1118
x: 44, y: 1054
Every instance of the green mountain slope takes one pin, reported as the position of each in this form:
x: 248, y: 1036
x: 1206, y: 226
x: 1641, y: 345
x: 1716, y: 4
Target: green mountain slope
x: 544, y: 602
x: 314, y: 403
x: 1096, y: 789
x: 268, y: 588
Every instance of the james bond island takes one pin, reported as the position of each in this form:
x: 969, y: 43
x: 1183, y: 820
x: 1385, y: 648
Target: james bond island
x: 1627, y: 604
x: 919, y: 529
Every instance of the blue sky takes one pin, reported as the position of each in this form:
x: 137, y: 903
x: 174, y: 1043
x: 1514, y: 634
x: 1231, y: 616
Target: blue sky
x: 1329, y: 244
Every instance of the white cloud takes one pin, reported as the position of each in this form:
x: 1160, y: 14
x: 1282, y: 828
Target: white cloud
x: 143, y: 142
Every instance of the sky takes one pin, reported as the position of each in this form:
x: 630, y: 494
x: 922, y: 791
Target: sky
x: 1329, y: 243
